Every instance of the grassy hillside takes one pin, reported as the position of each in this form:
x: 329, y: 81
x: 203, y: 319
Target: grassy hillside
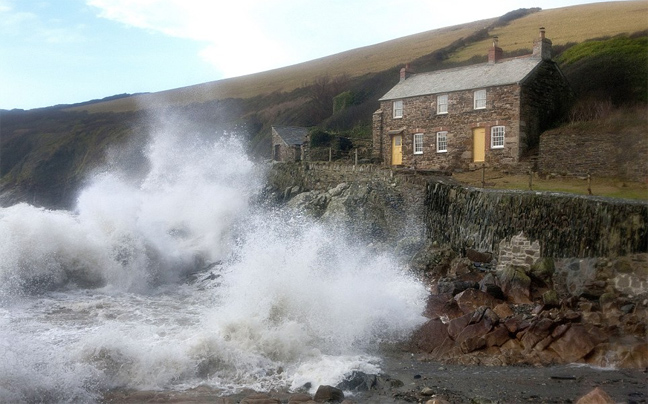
x: 564, y: 25
x: 46, y: 154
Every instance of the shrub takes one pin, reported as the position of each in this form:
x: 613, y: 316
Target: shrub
x: 342, y: 101
x: 319, y: 138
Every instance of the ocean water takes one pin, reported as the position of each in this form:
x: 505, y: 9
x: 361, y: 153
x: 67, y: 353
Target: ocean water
x: 178, y: 277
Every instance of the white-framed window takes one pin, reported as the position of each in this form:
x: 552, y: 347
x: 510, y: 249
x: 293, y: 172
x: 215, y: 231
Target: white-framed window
x: 497, y: 137
x: 480, y: 99
x: 418, y: 143
x: 442, y: 104
x: 442, y: 142
x: 398, y: 109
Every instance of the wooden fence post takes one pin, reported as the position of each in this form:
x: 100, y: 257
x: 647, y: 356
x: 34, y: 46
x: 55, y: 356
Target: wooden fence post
x: 530, y: 180
x: 483, y: 175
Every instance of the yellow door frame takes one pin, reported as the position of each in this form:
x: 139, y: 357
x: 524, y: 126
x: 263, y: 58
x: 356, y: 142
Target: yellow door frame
x: 479, y: 145
x: 397, y: 150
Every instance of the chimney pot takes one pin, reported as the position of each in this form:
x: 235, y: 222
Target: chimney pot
x: 495, y: 53
x: 542, y: 46
x: 405, y: 72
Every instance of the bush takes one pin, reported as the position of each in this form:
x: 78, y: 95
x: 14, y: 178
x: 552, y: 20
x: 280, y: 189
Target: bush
x: 319, y: 138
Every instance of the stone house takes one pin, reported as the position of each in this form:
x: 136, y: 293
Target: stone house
x: 461, y: 118
x: 287, y: 142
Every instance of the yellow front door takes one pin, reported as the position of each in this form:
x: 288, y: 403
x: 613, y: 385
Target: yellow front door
x: 479, y: 144
x: 397, y: 150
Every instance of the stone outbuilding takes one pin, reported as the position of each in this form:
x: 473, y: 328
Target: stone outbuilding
x: 461, y: 118
x: 287, y: 142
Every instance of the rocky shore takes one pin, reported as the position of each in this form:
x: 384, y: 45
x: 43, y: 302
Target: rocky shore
x: 483, y: 314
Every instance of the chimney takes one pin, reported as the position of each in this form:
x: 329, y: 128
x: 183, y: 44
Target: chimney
x: 405, y: 72
x: 542, y: 46
x: 495, y: 53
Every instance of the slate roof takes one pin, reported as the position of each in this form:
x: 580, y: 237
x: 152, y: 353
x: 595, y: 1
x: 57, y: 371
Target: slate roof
x: 464, y: 78
x: 292, y: 135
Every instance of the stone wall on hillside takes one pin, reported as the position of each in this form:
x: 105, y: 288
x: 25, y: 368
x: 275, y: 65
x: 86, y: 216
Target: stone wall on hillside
x: 565, y: 225
x: 577, y: 153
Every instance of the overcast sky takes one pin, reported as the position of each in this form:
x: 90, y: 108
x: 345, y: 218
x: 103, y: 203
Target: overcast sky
x: 67, y: 51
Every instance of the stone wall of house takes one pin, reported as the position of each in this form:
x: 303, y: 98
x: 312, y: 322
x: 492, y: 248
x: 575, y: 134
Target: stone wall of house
x: 283, y: 152
x: 376, y: 131
x: 564, y: 225
x: 577, y: 152
x: 419, y: 116
x: 540, y: 108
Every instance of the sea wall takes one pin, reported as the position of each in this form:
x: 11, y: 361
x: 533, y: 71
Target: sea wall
x: 459, y: 217
x: 564, y: 225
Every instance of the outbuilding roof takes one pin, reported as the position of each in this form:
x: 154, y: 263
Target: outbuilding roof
x: 482, y: 75
x: 292, y: 135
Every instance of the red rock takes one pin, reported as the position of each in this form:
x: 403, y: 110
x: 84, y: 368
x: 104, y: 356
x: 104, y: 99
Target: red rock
x: 430, y: 335
x: 573, y: 316
x: 503, y: 310
x: 636, y: 357
x: 537, y: 332
x: 515, y: 284
x: 447, y: 349
x: 458, y: 324
x: 471, y: 337
x: 544, y: 343
x: 596, y: 396
x: 560, y: 330
x: 513, y: 324
x: 471, y: 299
x: 478, y: 256
x: 328, y: 393
x: 574, y: 344
x: 498, y: 336
x: 437, y: 304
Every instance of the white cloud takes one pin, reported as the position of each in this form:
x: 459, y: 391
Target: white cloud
x: 233, y: 37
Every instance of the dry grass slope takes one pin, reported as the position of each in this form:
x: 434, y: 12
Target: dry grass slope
x: 568, y: 24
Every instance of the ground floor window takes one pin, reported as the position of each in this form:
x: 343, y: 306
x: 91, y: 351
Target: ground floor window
x: 442, y: 142
x: 497, y: 137
x: 418, y: 143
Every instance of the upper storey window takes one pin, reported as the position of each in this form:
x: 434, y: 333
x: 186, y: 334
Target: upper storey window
x: 480, y: 99
x: 398, y: 109
x: 442, y: 104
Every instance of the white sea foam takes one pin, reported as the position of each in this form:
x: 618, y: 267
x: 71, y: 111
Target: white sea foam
x: 95, y: 299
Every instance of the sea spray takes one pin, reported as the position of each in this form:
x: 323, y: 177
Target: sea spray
x: 176, y: 279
